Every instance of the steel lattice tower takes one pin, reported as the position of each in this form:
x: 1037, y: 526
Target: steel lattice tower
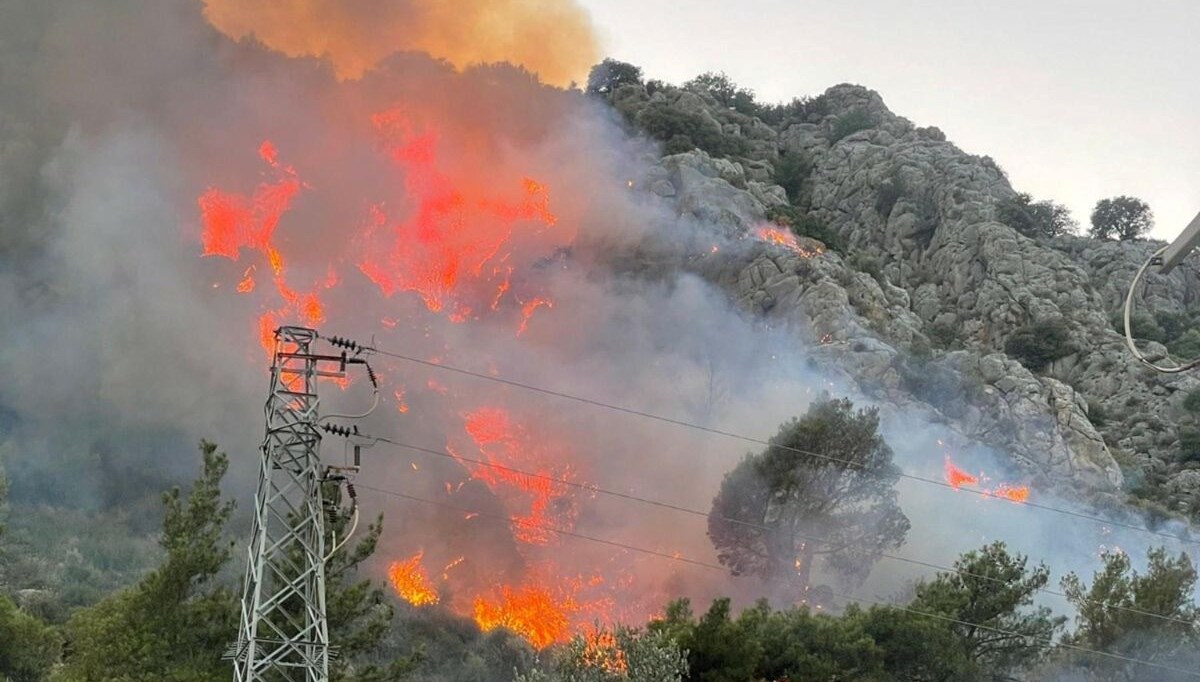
x: 284, y: 635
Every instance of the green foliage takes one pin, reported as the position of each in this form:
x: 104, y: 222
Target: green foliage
x: 727, y: 93
x: 175, y: 623
x: 1097, y: 415
x: 790, y: 173
x: 802, y: 224
x: 945, y: 335
x: 890, y: 191
x: 1035, y: 218
x: 1189, y: 444
x: 1191, y: 402
x: 1122, y: 218
x: 851, y: 122
x: 762, y: 644
x: 780, y: 510
x: 685, y: 130
x: 610, y: 74
x: 1147, y: 615
x: 1037, y: 344
x: 1186, y: 346
x: 993, y: 590
x: 620, y: 655
x: 799, y: 110
x: 28, y: 647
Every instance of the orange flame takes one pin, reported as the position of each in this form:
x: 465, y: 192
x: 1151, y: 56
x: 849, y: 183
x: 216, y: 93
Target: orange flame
x: 785, y: 238
x: 1012, y: 493
x: 533, y: 612
x: 409, y: 580
x: 506, y: 444
x: 441, y: 250
x: 602, y: 651
x: 957, y: 477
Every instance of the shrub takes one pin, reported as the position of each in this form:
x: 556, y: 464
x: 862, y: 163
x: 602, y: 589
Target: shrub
x: 868, y: 264
x: 609, y: 74
x: 1191, y: 402
x: 1098, y: 416
x: 1035, y: 218
x: 791, y: 172
x: 799, y: 110
x: 727, y: 93
x: 1122, y: 218
x: 1189, y: 445
x: 1141, y: 325
x: 803, y: 225
x: 945, y: 335
x: 1037, y: 344
x: 1187, y: 346
x: 851, y: 122
x: 890, y: 191
x: 667, y: 123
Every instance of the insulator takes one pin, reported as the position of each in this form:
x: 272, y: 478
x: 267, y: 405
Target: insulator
x: 343, y: 343
x: 371, y: 375
x: 337, y: 430
x: 351, y: 491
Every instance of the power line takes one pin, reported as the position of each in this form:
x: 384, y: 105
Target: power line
x: 749, y: 524
x: 758, y: 441
x: 862, y: 600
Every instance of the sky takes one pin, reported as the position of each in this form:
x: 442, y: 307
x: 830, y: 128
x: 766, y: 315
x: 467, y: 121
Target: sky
x: 1077, y: 100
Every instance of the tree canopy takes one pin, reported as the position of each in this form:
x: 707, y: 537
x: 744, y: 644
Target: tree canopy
x: 610, y: 74
x: 1148, y: 615
x: 1035, y: 218
x: 1122, y: 218
x: 823, y: 488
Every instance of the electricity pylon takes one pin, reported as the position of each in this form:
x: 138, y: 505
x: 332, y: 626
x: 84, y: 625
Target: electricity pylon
x: 283, y: 633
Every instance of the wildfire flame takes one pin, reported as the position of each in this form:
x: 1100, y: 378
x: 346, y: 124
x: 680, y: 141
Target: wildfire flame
x: 957, y: 477
x: 503, y: 442
x: 410, y: 581
x: 532, y: 611
x: 785, y: 238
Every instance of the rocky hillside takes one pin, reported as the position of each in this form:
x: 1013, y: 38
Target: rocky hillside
x: 921, y: 288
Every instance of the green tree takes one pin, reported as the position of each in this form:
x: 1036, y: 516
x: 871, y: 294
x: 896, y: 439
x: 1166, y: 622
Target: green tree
x: 28, y: 647
x: 178, y: 621
x: 1122, y: 218
x: 781, y: 509
x: 619, y: 655
x: 1035, y: 218
x: 990, y: 594
x: 1147, y: 615
x: 851, y: 122
x: 915, y: 648
x: 611, y: 74
x: 175, y: 623
x: 727, y: 93
x: 717, y: 649
x: 1037, y: 344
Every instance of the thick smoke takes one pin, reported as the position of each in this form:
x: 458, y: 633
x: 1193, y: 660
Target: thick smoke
x: 553, y: 39
x: 120, y: 341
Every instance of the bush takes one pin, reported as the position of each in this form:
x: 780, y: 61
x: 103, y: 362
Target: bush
x: 678, y: 128
x: 1097, y: 415
x: 610, y: 74
x: 1037, y: 344
x: 890, y: 191
x: 1191, y: 402
x: 1187, y: 346
x: 721, y: 88
x: 791, y: 172
x: 1035, y: 218
x: 1189, y: 445
x: 803, y: 225
x: 799, y: 110
x: 1122, y: 218
x: 868, y: 264
x: 945, y: 335
x: 851, y: 122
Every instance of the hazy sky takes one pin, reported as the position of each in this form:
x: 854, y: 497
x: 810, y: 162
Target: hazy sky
x: 1077, y: 100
